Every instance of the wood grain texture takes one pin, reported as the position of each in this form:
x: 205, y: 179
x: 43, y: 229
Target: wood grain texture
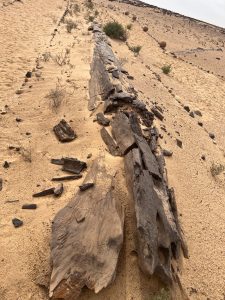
x: 87, y: 236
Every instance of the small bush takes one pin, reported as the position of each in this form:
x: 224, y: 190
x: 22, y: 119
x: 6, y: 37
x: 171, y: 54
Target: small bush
x: 62, y: 58
x: 135, y: 49
x: 56, y: 97
x: 46, y: 56
x: 216, y: 169
x: 166, y: 69
x: 115, y: 30
x: 91, y: 18
x: 129, y: 26
x: 70, y: 25
x: 89, y: 4
x: 162, y: 295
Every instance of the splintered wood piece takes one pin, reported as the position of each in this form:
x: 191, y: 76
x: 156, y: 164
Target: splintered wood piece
x: 46, y: 192
x: 73, y: 165
x: 64, y: 132
x: 110, y: 143
x: 87, y: 236
x: 57, y: 161
x: 58, y: 190
x: 122, y: 133
x: 148, y: 157
x: 102, y: 120
x: 158, y: 239
x: 70, y: 177
x: 134, y: 123
x: 86, y: 186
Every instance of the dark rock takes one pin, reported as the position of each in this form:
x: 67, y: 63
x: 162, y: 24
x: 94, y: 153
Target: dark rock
x: 29, y: 206
x: 6, y: 164
x: 200, y: 123
x: 58, y: 190
x: 90, y: 28
x: 46, y: 192
x: 19, y: 120
x: 86, y: 186
x: 29, y: 74
x: 116, y: 74
x: 145, y: 28
x: 212, y: 135
x: 179, y: 143
x: 157, y: 113
x: 203, y: 157
x: 70, y: 177
x: 122, y: 70
x: 126, y: 13
x: 102, y: 120
x: 198, y: 113
x: 167, y: 152
x: 73, y: 165
x: 1, y: 183
x: 162, y: 45
x: 134, y: 18
x: 123, y: 97
x: 64, y: 132
x: 89, y: 155
x: 187, y: 108
x: 191, y: 114
x: 17, y: 222
x: 130, y: 77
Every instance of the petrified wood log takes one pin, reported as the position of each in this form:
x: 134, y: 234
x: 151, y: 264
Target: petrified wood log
x: 87, y: 236
x: 110, y: 143
x: 122, y: 133
x: 64, y: 132
x: 158, y: 238
x: 102, y: 120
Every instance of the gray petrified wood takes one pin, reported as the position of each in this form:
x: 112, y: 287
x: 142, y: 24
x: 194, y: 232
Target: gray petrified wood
x: 87, y: 236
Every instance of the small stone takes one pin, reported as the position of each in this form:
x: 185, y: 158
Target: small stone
x: 19, y: 92
x: 86, y: 186
x: 212, y: 135
x: 29, y: 206
x: 179, y: 143
x: 58, y: 190
x: 19, y: 120
x: 203, y: 157
x: 198, y: 113
x: 191, y: 114
x: 17, y: 222
x: 162, y: 45
x: 134, y: 18
x: 200, y: 123
x: 167, y: 152
x: 28, y: 74
x: 89, y: 155
x: 6, y: 165
x: 187, y: 108
x: 116, y: 74
x: 126, y: 13
x: 130, y: 77
x: 145, y: 28
x: 1, y: 184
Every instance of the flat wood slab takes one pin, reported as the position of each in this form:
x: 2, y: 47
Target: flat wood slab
x: 122, y: 132
x: 87, y: 236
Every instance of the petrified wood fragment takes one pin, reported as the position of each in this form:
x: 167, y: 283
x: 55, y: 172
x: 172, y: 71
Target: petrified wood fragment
x: 102, y: 120
x: 110, y: 143
x: 122, y: 133
x: 87, y: 236
x: 64, y: 132
x: 158, y: 239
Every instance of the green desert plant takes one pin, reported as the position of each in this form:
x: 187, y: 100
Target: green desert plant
x: 135, y: 49
x: 166, y: 69
x: 115, y: 30
x: 129, y: 26
x: 162, y: 295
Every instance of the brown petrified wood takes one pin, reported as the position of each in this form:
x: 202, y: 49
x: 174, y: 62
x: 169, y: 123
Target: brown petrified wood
x: 122, y: 133
x: 87, y: 236
x: 64, y: 132
x: 110, y: 143
x: 158, y: 238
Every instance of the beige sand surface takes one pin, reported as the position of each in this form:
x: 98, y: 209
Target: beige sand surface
x: 197, y: 80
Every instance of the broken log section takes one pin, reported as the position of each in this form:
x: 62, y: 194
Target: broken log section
x: 87, y: 236
x: 64, y: 132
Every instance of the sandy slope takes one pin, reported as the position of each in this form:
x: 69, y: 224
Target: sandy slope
x: 24, y: 252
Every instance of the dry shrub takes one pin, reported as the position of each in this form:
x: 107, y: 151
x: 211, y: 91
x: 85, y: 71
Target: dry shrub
x: 62, y: 58
x: 56, y: 96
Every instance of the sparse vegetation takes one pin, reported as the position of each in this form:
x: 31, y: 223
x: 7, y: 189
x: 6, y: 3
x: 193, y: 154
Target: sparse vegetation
x: 89, y: 4
x: 135, y: 49
x: 129, y: 26
x: 162, y: 295
x: 166, y: 69
x: 56, y: 96
x: 70, y: 25
x: 62, y: 58
x: 216, y: 169
x: 96, y: 13
x: 46, y: 56
x: 75, y: 8
x: 115, y: 30
x: 91, y: 18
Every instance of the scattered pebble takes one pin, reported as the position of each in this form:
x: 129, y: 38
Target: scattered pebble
x: 29, y: 206
x: 179, y: 143
x: 167, y: 152
x: 212, y: 135
x: 6, y: 164
x: 17, y: 222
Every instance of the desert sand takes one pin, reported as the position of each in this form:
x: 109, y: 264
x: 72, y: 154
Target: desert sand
x: 31, y: 39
